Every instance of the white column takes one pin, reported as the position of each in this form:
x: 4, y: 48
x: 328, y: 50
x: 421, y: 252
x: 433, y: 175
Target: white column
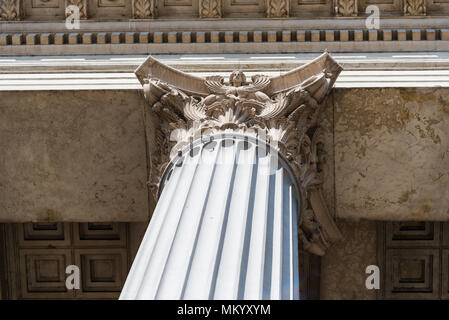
x: 225, y: 226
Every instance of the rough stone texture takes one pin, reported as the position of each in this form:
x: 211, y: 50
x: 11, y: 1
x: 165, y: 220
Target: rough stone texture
x: 392, y: 153
x: 72, y: 156
x: 343, y: 267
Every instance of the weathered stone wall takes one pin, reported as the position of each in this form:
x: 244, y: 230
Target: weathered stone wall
x: 343, y: 267
x: 391, y: 162
x: 392, y: 153
x: 80, y: 155
x: 72, y: 156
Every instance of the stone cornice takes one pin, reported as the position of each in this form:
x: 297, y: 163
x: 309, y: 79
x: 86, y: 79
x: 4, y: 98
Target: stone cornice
x: 116, y: 72
x: 70, y: 45
x: 230, y: 36
x: 224, y: 62
x: 233, y: 24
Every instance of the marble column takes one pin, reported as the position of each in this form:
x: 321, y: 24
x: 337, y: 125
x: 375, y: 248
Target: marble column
x: 225, y: 226
x: 234, y: 169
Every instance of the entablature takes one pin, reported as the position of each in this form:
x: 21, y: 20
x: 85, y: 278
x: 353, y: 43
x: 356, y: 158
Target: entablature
x: 368, y: 70
x: 224, y: 36
x: 42, y: 10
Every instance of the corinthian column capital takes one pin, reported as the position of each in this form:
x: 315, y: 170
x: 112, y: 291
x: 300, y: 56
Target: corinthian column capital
x: 235, y: 163
x: 281, y: 110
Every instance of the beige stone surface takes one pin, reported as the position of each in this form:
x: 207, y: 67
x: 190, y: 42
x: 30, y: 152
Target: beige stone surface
x: 392, y: 153
x: 343, y: 267
x: 72, y: 156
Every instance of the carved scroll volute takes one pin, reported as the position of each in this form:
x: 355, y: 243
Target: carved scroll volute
x: 318, y: 230
x: 144, y: 9
x: 210, y: 9
x: 11, y: 10
x: 278, y: 8
x: 283, y: 109
x: 414, y: 7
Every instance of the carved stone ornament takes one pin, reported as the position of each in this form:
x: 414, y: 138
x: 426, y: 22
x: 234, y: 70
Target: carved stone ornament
x: 144, y: 9
x: 345, y: 8
x: 81, y: 4
x: 284, y: 108
x: 414, y: 7
x: 11, y: 10
x: 210, y: 8
x: 278, y: 8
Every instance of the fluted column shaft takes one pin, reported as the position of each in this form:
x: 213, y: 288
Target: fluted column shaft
x: 225, y: 226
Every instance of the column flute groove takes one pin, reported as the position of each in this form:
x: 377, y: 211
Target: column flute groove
x: 160, y: 254
x: 179, y: 248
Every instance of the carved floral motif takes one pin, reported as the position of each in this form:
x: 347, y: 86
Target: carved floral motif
x: 210, y: 8
x: 345, y: 8
x: 415, y: 7
x: 81, y: 4
x: 278, y: 8
x: 144, y: 9
x: 284, y: 110
x: 10, y: 10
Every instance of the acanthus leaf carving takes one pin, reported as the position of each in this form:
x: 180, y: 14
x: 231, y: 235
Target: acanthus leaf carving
x: 81, y: 4
x: 414, y: 7
x: 283, y: 109
x: 11, y: 10
x: 144, y: 9
x: 210, y: 8
x: 345, y: 8
x: 277, y: 8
